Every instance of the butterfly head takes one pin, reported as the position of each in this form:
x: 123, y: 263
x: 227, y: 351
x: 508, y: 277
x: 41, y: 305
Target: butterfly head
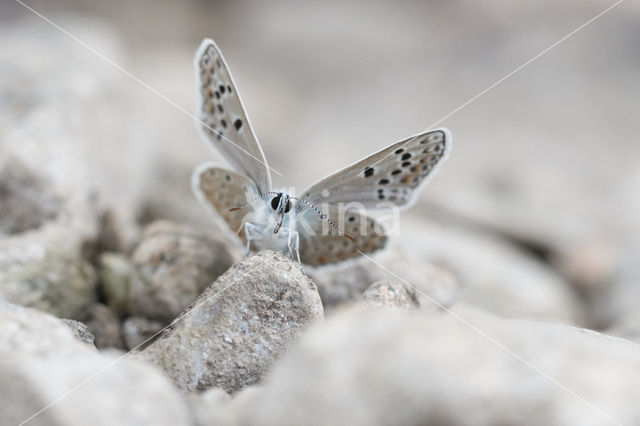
x: 281, y: 204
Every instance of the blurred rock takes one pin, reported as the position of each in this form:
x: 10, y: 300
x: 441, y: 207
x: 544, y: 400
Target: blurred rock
x: 29, y: 332
x: 136, y: 330
x: 105, y: 326
x: 43, y: 363
x: 27, y: 202
x: 347, y: 282
x: 44, y: 269
x: 209, y: 407
x: 49, y: 183
x: 173, y: 264
x: 240, y: 324
x: 494, y: 275
x: 81, y: 331
x: 616, y: 306
x: 115, y: 272
x: 378, y: 367
x: 589, y: 265
x: 389, y: 294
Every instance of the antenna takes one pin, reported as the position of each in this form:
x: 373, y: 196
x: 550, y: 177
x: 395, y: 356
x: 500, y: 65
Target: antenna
x: 324, y: 217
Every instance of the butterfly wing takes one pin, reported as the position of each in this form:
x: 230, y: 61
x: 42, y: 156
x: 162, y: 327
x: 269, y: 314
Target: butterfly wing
x: 220, y: 190
x: 323, y: 241
x: 394, y: 174
x: 221, y: 116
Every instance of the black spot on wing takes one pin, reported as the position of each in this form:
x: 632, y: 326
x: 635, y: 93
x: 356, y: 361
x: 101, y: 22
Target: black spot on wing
x: 368, y: 171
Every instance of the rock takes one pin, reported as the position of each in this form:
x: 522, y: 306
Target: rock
x: 347, y: 282
x: 365, y: 367
x: 209, y: 407
x: 240, y: 324
x: 115, y: 272
x: 105, y: 326
x: 494, y: 275
x: 27, y: 202
x: 616, y: 306
x: 44, y: 269
x: 81, y: 331
x: 173, y: 264
x: 137, y: 330
x: 389, y: 294
x: 49, y: 377
x: 29, y: 332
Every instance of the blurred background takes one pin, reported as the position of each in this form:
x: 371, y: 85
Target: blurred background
x: 546, y: 164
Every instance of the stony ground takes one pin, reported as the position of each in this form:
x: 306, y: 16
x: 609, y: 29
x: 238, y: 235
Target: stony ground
x: 508, y: 297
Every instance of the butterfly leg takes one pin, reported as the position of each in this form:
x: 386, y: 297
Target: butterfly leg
x: 294, y: 245
x: 252, y: 233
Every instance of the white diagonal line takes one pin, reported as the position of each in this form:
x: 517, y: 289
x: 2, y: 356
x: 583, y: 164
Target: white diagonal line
x: 124, y: 71
x: 112, y: 363
x: 608, y: 9
x: 494, y: 341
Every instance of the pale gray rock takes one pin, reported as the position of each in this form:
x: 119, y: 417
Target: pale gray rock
x: 173, y: 264
x: 617, y: 305
x: 105, y: 326
x: 42, y: 363
x: 493, y: 275
x: 49, y: 185
x: 210, y: 407
x: 29, y: 332
x: 389, y: 294
x: 233, y: 332
x: 81, y: 331
x: 347, y: 282
x: 139, y: 331
x: 27, y: 201
x: 377, y: 367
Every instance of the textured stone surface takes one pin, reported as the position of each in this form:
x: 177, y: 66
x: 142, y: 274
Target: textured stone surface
x: 367, y: 367
x: 389, y: 294
x: 232, y: 333
x: 43, y: 362
x: 81, y: 331
x: 173, y: 264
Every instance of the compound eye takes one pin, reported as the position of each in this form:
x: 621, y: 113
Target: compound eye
x: 287, y: 207
x: 275, y: 202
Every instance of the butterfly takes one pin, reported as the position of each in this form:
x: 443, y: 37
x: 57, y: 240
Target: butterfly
x: 321, y: 226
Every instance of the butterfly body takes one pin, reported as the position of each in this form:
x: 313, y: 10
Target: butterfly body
x: 328, y: 223
x: 270, y: 225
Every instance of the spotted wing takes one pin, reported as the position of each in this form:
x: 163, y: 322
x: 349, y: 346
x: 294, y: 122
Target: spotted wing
x: 394, y: 174
x: 221, y: 116
x: 220, y: 190
x: 323, y: 240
